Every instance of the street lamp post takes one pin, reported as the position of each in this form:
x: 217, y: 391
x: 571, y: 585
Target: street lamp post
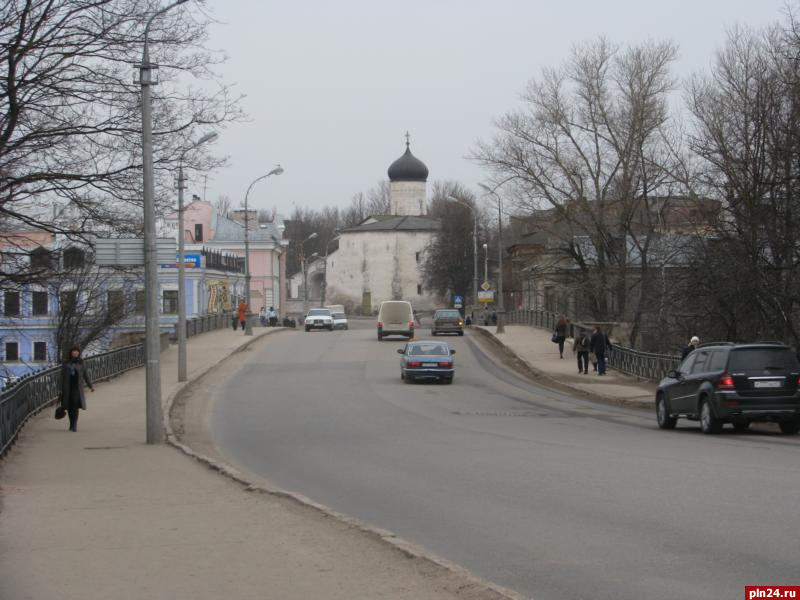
x: 155, y: 431
x: 500, y: 307
x: 474, y: 249
x: 248, y: 328
x: 486, y: 262
x: 209, y: 137
x: 324, y: 295
x: 303, y: 266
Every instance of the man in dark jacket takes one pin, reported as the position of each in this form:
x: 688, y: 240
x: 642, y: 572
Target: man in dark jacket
x: 599, y: 344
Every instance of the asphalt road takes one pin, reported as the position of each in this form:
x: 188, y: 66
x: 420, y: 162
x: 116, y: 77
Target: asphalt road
x: 554, y: 497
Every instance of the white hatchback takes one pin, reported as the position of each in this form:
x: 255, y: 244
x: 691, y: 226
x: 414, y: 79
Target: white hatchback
x: 339, y: 320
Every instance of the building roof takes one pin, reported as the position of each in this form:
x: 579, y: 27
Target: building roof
x: 396, y: 223
x: 408, y: 168
x: 228, y: 230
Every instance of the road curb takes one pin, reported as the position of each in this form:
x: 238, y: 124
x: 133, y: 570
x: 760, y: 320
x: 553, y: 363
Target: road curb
x: 473, y: 584
x: 523, y: 366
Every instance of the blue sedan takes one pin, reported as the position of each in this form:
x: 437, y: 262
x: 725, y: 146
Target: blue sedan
x: 426, y: 360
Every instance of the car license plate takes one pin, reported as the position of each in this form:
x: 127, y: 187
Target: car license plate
x: 430, y: 364
x: 767, y: 384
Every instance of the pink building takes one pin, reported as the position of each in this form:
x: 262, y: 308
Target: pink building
x: 204, y: 228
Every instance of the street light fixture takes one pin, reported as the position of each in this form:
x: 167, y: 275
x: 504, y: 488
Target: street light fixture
x: 486, y: 262
x: 209, y: 137
x: 303, y: 266
x: 474, y: 249
x: 155, y: 426
x: 248, y: 328
x: 500, y: 308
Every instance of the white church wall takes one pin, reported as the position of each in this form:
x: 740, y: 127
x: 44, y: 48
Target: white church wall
x: 385, y: 263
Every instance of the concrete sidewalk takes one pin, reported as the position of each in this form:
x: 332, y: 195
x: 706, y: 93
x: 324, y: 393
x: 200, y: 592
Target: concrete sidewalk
x: 535, y: 353
x: 100, y: 515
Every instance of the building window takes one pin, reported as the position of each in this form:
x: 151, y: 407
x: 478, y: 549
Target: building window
x: 40, y: 351
x: 12, y: 352
x: 11, y: 304
x: 73, y: 258
x: 41, y: 259
x: 419, y: 289
x: 116, y: 304
x: 40, y: 301
x: 139, y: 301
x: 170, y: 304
x: 198, y: 232
x: 417, y: 256
x: 67, y: 301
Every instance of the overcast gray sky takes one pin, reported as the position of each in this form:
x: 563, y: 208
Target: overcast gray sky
x: 332, y: 87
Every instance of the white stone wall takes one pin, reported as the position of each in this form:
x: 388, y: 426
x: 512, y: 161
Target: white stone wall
x: 378, y: 262
x: 408, y: 198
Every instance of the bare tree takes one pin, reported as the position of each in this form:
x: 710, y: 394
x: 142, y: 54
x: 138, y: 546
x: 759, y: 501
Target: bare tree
x: 70, y: 116
x: 223, y: 205
x: 590, y: 146
x: 448, y: 261
x: 747, y: 137
x: 375, y: 201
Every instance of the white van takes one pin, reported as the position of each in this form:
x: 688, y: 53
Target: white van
x: 335, y: 308
x: 395, y: 318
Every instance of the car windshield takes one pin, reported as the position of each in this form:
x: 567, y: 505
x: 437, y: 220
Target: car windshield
x: 429, y: 350
x: 448, y: 314
x: 762, y: 359
x: 319, y: 312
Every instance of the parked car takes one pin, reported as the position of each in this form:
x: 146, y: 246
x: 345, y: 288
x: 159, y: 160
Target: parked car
x: 733, y: 383
x: 318, y: 318
x: 447, y: 320
x: 339, y: 320
x: 395, y: 317
x: 427, y: 360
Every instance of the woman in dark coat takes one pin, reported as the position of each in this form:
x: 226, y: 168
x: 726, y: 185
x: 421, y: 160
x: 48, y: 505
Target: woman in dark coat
x: 73, y: 374
x: 561, y: 333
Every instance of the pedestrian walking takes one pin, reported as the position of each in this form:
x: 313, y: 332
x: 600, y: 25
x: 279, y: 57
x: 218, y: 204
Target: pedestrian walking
x: 242, y: 314
x: 693, y: 344
x: 561, y: 333
x: 272, y: 315
x: 581, y: 349
x: 262, y: 316
x: 599, y: 345
x: 73, y: 376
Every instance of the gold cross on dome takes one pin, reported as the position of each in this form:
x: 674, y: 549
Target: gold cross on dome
x: 408, y: 139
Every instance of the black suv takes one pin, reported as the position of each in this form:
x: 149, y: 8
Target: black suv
x: 733, y: 383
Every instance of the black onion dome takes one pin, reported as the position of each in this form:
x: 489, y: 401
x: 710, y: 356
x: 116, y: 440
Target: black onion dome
x: 408, y: 168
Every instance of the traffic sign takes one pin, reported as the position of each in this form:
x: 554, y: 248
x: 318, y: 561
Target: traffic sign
x: 458, y: 301
x: 485, y: 286
x: 486, y: 296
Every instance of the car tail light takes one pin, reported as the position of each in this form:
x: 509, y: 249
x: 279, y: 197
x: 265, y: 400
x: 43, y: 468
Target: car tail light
x: 380, y: 324
x: 726, y: 383
x: 413, y: 363
x: 446, y: 365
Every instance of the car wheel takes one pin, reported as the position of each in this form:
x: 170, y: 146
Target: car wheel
x: 402, y: 375
x: 741, y: 426
x: 308, y: 329
x: 790, y: 427
x: 665, y: 421
x: 708, y: 422
x: 449, y: 379
x: 330, y: 328
x: 409, y: 379
x: 460, y: 333
x: 433, y: 332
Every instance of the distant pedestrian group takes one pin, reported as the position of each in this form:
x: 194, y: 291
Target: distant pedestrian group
x: 590, y: 348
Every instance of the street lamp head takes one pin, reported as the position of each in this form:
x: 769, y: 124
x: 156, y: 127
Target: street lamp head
x: 485, y: 246
x: 278, y: 170
x: 209, y: 137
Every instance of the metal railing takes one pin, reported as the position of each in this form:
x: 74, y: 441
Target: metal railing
x: 206, y: 323
x: 647, y: 365
x: 28, y: 396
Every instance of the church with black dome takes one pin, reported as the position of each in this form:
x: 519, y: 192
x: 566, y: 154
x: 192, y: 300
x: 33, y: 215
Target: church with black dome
x: 381, y: 258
